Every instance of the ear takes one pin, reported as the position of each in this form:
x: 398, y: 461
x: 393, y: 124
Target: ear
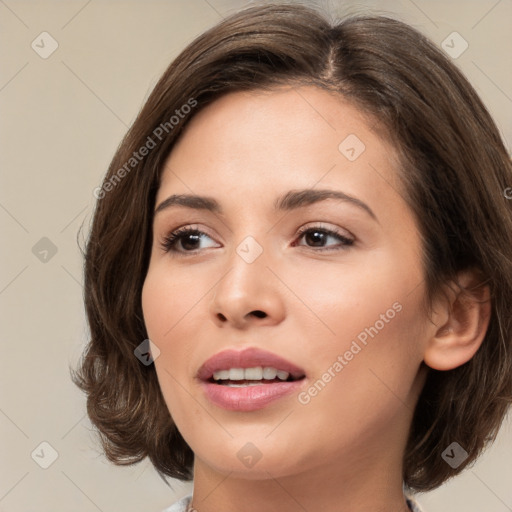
x: 461, y: 320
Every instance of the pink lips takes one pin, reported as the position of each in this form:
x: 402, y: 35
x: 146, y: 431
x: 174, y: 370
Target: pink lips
x: 251, y: 398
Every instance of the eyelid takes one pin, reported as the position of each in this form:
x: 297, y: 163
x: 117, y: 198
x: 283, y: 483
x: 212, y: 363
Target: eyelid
x: 179, y: 231
x: 173, y: 237
x: 189, y: 226
x: 344, y: 237
x: 322, y: 226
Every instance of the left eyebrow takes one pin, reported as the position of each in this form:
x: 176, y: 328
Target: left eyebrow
x: 300, y: 198
x: 290, y: 201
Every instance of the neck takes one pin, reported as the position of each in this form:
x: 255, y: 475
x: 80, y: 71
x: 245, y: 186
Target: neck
x: 370, y: 483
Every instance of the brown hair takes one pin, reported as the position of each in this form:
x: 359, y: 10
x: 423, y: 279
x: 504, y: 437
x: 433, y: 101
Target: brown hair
x: 455, y: 170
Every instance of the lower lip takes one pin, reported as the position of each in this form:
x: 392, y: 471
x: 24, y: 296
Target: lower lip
x: 249, y: 398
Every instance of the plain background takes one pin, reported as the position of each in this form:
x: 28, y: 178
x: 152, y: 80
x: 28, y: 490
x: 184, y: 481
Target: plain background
x: 62, y: 119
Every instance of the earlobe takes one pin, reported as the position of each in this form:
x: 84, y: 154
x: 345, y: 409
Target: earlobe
x: 464, y: 318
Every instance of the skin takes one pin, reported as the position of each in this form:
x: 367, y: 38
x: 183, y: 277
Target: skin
x: 343, y: 449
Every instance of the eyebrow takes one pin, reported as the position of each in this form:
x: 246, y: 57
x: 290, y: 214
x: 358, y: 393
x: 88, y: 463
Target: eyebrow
x: 292, y: 200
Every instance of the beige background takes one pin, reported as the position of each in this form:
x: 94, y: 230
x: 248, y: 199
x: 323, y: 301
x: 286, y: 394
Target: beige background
x: 62, y: 118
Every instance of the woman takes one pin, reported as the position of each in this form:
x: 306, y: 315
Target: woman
x: 309, y: 222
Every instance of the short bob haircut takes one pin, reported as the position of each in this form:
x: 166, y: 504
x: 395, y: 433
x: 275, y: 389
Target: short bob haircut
x: 455, y: 173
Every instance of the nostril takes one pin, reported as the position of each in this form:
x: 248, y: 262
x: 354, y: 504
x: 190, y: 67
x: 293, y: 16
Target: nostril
x: 257, y: 313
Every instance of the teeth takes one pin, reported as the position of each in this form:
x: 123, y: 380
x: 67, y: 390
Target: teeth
x: 255, y: 373
x: 282, y: 375
x: 269, y: 373
x: 236, y: 374
x: 221, y: 375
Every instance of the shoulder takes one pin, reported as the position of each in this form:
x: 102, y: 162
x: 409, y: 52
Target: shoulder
x: 413, y: 505
x: 180, y: 506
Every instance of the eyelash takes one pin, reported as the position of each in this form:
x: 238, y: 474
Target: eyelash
x: 345, y: 242
x: 169, y: 242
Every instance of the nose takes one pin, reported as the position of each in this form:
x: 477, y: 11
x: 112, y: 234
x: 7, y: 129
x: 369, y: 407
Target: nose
x: 248, y: 294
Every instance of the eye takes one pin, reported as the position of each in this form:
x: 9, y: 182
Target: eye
x: 323, y: 238
x: 190, y: 240
x: 186, y: 239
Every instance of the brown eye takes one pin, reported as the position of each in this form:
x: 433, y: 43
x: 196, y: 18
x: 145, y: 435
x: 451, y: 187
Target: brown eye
x: 190, y: 241
x: 323, y: 238
x: 316, y: 238
x: 187, y: 240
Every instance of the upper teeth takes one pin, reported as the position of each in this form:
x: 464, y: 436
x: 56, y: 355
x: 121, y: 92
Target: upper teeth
x: 255, y: 373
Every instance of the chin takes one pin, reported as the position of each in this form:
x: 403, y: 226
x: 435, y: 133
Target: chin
x: 251, y: 460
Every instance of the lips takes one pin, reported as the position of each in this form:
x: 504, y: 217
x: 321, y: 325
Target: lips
x: 248, y: 358
x: 236, y: 393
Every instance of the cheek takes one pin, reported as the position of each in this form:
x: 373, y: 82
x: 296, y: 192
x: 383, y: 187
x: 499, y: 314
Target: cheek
x: 383, y: 339
x: 370, y: 314
x: 165, y: 303
x: 168, y: 298
x: 174, y: 309
x: 361, y: 292
x: 367, y: 382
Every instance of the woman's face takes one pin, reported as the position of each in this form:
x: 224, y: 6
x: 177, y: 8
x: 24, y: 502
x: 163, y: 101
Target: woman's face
x: 303, y: 248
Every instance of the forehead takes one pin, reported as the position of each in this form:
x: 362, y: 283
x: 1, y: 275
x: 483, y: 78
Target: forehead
x: 280, y: 139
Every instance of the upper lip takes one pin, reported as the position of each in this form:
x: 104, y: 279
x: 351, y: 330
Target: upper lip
x: 247, y: 358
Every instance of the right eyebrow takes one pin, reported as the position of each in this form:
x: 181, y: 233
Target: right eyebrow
x: 190, y: 201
